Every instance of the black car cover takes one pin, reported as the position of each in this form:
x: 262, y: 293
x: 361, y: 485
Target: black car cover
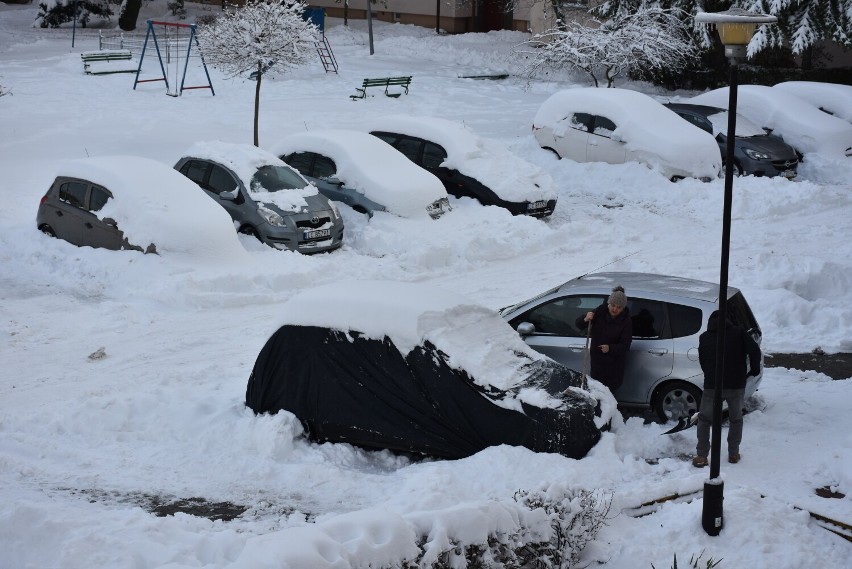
x: 345, y: 387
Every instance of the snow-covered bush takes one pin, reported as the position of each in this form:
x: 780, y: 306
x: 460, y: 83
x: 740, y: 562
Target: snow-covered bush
x: 571, y: 520
x: 178, y: 9
x: 650, y: 40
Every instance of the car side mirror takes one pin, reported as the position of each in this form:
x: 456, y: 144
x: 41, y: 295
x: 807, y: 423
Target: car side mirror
x: 110, y: 221
x: 333, y: 180
x: 230, y: 196
x: 526, y: 329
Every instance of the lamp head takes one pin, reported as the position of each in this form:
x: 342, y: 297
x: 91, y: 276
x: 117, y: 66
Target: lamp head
x: 736, y: 28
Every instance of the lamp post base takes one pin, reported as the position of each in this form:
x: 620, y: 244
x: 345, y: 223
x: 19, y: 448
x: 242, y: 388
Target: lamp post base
x: 711, y: 515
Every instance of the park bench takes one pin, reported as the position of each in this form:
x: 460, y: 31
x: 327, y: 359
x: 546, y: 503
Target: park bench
x: 108, y: 61
x: 385, y: 82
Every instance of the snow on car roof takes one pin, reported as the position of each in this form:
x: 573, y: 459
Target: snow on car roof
x: 645, y: 125
x: 833, y: 97
x: 244, y: 160
x: 474, y: 337
x: 509, y: 176
x: 371, y: 167
x: 153, y: 203
x: 798, y: 122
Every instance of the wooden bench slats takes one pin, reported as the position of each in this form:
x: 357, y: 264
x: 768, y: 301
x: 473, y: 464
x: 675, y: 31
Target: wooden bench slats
x: 385, y: 82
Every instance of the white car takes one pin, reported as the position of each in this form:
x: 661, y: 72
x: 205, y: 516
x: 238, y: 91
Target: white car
x: 469, y: 165
x: 798, y: 122
x: 620, y: 125
x: 832, y: 98
x: 363, y: 172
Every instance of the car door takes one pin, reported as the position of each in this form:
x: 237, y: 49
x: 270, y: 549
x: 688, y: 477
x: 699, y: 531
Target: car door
x: 571, y: 136
x: 65, y: 213
x: 603, y: 144
x: 652, y: 353
x: 556, y: 335
x: 221, y: 181
x: 97, y: 231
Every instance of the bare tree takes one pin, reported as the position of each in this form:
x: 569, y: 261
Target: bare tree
x: 651, y: 39
x: 262, y: 37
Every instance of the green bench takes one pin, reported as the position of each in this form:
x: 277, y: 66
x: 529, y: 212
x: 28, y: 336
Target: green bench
x: 108, y: 61
x: 385, y: 82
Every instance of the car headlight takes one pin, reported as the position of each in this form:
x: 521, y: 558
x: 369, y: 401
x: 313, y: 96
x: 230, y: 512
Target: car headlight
x: 334, y: 210
x: 270, y: 216
x: 756, y: 154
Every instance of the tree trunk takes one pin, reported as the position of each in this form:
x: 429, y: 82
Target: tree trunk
x: 128, y: 14
x: 257, y: 102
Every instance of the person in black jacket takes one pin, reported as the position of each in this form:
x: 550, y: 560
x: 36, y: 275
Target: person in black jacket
x: 742, y: 358
x: 611, y: 334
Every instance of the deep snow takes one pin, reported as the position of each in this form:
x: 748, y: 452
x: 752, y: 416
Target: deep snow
x: 124, y: 374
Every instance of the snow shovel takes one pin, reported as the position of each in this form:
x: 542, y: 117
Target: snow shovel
x: 682, y: 424
x: 586, y: 353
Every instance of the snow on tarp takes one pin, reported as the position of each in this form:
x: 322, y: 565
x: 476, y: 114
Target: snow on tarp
x: 798, y: 122
x: 370, y: 166
x: 466, y: 383
x: 655, y: 134
x: 510, y: 177
x: 832, y: 97
x: 244, y: 160
x: 153, y: 203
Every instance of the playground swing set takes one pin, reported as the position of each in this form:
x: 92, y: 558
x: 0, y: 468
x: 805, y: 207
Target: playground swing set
x: 172, y: 45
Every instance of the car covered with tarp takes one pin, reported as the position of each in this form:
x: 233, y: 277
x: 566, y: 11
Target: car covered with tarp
x: 416, y: 369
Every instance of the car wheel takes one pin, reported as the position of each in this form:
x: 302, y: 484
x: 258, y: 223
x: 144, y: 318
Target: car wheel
x: 249, y: 230
x: 360, y: 209
x: 47, y: 230
x: 553, y: 151
x: 676, y: 399
x: 738, y: 169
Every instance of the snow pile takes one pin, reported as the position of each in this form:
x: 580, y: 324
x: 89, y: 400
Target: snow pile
x: 831, y: 97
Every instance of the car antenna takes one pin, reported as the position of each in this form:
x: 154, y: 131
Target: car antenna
x: 608, y: 264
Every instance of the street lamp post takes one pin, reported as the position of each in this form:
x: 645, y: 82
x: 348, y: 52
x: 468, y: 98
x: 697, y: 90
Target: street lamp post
x: 736, y: 28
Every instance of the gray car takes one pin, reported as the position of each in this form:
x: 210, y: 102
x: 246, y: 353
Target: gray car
x: 756, y: 152
x: 668, y: 313
x: 265, y: 197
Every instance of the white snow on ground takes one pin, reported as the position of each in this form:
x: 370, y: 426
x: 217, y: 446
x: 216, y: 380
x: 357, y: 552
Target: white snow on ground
x: 124, y: 375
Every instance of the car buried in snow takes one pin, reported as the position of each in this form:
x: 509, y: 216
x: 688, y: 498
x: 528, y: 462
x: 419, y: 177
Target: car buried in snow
x: 130, y: 202
x: 357, y: 169
x: 415, y: 369
x: 265, y: 197
x: 619, y: 125
x: 468, y: 165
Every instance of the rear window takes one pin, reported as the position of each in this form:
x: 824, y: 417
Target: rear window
x: 740, y: 313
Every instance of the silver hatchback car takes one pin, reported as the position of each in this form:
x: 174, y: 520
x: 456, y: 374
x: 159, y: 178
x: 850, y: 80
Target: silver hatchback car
x: 668, y: 313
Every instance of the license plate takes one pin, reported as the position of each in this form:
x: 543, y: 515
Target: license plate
x: 537, y: 205
x: 317, y: 233
x: 788, y: 173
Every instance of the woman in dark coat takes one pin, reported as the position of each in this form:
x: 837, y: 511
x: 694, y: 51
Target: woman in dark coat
x: 611, y: 335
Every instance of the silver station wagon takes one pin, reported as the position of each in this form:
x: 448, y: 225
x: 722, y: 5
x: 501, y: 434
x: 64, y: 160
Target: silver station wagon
x: 668, y: 314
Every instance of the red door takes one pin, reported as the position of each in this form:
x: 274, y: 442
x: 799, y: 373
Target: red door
x: 494, y: 15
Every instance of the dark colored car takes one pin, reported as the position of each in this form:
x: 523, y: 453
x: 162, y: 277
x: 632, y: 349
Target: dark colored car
x: 361, y: 380
x: 265, y: 197
x: 756, y: 152
x: 129, y: 202
x: 457, y: 156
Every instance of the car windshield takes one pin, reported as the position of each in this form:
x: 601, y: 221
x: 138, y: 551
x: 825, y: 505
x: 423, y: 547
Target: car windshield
x: 744, y: 129
x: 273, y: 178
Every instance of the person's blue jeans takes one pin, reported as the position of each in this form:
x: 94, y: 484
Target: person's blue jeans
x: 734, y: 399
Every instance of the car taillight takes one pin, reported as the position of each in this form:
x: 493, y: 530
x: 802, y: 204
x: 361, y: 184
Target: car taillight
x: 43, y: 199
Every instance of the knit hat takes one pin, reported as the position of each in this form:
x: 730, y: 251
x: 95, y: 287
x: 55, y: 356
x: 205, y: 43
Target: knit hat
x: 617, y: 298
